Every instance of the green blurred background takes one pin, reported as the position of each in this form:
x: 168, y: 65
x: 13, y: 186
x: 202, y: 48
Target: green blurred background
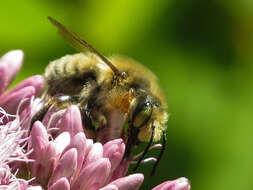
x: 201, y: 52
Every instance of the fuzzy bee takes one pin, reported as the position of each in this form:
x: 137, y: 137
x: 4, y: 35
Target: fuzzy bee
x: 117, y: 96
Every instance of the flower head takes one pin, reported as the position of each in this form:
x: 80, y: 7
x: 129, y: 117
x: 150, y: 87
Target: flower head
x: 70, y: 158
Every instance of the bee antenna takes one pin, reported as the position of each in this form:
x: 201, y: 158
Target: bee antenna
x: 147, y: 148
x: 160, y: 155
x: 79, y: 44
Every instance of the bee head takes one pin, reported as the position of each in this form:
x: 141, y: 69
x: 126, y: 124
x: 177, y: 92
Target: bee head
x: 147, y: 120
x: 145, y: 112
x: 142, y: 109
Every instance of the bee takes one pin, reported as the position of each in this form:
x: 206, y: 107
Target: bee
x: 117, y: 96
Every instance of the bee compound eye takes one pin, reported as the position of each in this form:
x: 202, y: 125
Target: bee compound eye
x: 142, y: 115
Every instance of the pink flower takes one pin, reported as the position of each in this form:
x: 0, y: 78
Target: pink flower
x: 70, y: 161
x: 64, y: 162
x: 58, y: 156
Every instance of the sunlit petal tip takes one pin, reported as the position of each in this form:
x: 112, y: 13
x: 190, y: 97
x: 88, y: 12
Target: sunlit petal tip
x: 131, y: 182
x: 178, y: 184
x: 33, y: 188
x: 62, y: 141
x: 183, y: 184
x: 12, y: 60
x: 109, y: 187
x: 10, y: 64
x: 89, y: 144
x: 14, y: 56
x: 72, y: 121
x: 61, y: 184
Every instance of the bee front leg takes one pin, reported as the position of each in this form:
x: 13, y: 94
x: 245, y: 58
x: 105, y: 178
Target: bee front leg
x: 131, y: 140
x: 147, y: 148
x: 88, y: 127
x: 86, y: 118
x: 40, y: 114
x: 161, y: 154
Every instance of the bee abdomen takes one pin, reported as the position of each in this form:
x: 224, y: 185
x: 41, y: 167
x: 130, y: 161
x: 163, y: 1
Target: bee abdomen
x: 70, y: 73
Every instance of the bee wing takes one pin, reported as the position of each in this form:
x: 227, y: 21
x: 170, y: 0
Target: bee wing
x: 79, y: 44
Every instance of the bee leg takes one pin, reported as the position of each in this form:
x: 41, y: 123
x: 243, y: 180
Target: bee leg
x: 40, y: 115
x: 147, y: 147
x: 131, y: 141
x: 160, y: 155
x: 86, y: 119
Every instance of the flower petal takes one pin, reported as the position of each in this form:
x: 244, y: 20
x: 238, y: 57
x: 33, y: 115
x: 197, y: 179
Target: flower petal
x: 27, y: 114
x: 79, y: 143
x: 61, y: 142
x: 39, y: 137
x: 34, y: 188
x: 71, y: 121
x: 10, y: 64
x: 61, y: 184
x: 131, y: 182
x: 52, y: 117
x: 109, y: 187
x: 4, y: 174
x: 95, y: 153
x: 178, y: 184
x: 10, y: 101
x: 66, y: 166
x: 37, y: 81
x: 121, y: 170
x: 89, y: 144
x: 114, y: 150
x: 94, y: 175
x: 44, y: 164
